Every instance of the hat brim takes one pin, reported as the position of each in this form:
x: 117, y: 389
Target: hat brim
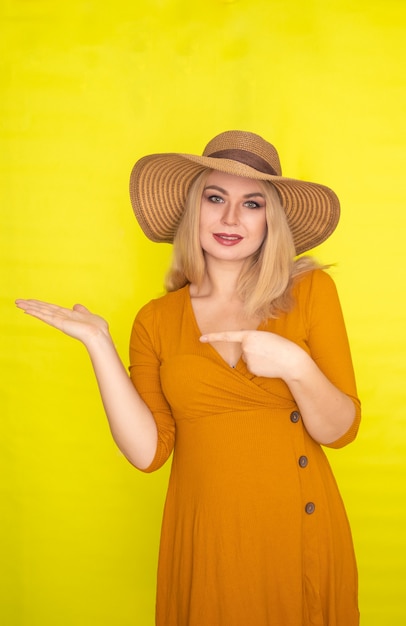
x: 159, y: 185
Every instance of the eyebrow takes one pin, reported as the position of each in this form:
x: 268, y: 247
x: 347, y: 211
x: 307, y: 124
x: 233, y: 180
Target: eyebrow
x: 246, y: 195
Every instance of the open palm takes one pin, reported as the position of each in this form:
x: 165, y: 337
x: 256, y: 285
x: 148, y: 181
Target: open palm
x: 77, y: 322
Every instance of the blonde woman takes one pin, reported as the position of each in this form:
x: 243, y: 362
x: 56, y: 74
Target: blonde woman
x: 242, y: 373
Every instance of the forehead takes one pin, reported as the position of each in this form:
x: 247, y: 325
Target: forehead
x: 229, y: 182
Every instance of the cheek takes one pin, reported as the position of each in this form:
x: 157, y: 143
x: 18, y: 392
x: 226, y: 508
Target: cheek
x: 205, y: 225
x: 261, y: 227
x: 204, y: 214
x: 208, y: 218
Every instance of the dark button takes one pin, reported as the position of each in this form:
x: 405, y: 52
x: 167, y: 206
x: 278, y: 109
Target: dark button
x: 294, y: 416
x: 303, y: 461
x: 309, y: 508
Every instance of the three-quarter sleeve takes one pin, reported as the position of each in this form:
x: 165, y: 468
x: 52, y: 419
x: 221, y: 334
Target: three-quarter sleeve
x: 144, y: 370
x: 329, y: 346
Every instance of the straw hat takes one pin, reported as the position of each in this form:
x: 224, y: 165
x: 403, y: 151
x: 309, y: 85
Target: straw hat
x: 159, y: 184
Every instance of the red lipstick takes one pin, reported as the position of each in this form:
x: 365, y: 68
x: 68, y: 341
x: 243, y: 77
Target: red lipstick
x: 227, y: 239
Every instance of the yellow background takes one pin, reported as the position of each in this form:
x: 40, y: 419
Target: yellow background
x: 88, y: 87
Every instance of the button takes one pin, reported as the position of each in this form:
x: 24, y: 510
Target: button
x: 295, y: 417
x: 303, y: 461
x: 310, y: 507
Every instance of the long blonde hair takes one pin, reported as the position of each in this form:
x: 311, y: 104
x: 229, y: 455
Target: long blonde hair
x: 266, y: 278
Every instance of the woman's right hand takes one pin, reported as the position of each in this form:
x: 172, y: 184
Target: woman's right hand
x: 131, y: 421
x: 77, y: 322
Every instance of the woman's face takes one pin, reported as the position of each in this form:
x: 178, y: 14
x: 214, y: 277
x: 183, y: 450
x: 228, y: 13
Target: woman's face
x: 232, y: 217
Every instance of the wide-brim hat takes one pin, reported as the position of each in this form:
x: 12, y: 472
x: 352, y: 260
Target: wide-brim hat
x: 159, y: 185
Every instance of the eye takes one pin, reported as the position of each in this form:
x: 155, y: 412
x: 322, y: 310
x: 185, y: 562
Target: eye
x: 251, y: 204
x: 215, y: 199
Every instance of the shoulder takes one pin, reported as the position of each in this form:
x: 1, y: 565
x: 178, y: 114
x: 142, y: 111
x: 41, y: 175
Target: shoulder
x: 159, y: 323
x: 163, y: 307
x: 314, y: 281
x: 315, y: 291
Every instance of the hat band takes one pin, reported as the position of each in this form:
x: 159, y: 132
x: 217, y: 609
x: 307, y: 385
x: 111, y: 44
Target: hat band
x: 248, y: 158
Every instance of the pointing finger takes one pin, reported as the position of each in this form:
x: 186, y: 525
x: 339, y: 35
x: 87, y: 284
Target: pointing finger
x: 228, y: 335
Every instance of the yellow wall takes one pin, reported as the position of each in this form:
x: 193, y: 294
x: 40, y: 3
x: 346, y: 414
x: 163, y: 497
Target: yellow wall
x: 88, y: 87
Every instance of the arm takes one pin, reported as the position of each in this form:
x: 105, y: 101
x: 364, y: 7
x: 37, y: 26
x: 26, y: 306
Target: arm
x: 326, y: 411
x: 131, y: 422
x: 145, y: 371
x: 321, y: 379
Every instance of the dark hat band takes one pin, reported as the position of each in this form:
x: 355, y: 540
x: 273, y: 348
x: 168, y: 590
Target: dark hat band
x: 248, y: 158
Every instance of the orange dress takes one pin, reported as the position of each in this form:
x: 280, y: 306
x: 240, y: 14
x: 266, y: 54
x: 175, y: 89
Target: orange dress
x: 254, y: 529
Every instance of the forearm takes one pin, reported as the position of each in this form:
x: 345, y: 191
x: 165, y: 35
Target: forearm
x: 131, y: 422
x: 327, y: 412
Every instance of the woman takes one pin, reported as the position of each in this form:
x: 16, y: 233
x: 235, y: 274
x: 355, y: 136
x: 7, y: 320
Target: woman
x: 243, y: 370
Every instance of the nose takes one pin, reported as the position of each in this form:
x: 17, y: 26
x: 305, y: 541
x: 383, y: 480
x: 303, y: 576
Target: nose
x: 230, y: 215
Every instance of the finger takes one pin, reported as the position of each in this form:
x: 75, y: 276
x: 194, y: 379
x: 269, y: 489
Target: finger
x: 236, y: 336
x: 80, y: 308
x: 50, y: 313
x: 24, y: 303
x: 39, y: 305
x: 36, y: 305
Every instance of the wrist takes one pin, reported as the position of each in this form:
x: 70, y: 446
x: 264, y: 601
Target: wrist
x: 98, y: 339
x: 298, y: 367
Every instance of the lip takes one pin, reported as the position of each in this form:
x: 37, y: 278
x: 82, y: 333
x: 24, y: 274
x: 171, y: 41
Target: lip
x: 227, y: 239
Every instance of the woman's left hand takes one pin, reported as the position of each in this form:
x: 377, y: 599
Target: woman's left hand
x: 327, y: 412
x: 265, y: 354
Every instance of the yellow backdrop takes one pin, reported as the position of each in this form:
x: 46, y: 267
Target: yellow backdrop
x: 87, y: 88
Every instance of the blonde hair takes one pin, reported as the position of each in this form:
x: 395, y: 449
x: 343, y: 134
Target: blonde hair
x: 266, y: 279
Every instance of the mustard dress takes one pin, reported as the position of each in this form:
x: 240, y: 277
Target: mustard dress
x: 254, y: 530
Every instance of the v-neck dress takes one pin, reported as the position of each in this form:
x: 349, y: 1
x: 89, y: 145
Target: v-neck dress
x: 254, y: 529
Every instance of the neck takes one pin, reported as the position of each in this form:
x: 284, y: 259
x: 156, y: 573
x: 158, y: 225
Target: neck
x: 220, y: 280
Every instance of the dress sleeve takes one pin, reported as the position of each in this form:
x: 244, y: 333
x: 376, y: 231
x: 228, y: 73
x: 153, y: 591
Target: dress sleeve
x: 329, y: 346
x: 145, y: 375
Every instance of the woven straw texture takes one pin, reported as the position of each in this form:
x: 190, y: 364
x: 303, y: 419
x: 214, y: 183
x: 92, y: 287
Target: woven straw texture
x: 159, y: 184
